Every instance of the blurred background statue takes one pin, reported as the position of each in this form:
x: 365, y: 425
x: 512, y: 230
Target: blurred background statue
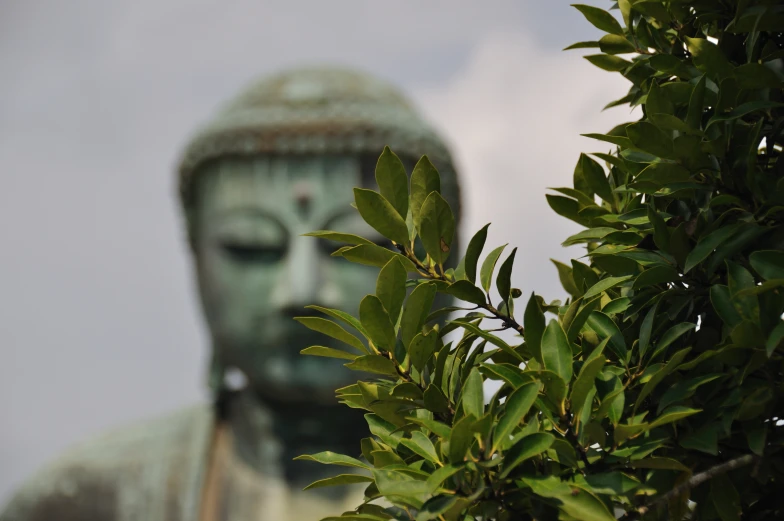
x: 279, y: 161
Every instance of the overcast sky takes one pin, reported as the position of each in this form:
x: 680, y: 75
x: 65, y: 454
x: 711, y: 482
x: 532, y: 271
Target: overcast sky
x: 98, y: 320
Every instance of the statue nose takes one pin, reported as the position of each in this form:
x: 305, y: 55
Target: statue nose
x: 299, y: 281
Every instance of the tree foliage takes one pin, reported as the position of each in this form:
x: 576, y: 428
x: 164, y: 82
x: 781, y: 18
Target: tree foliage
x: 654, y: 391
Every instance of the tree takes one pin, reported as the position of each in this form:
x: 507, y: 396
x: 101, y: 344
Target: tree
x: 655, y: 390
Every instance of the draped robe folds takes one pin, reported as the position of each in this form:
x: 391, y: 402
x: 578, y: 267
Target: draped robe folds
x: 180, y: 467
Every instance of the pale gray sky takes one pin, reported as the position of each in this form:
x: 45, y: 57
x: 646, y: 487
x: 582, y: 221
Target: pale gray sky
x: 98, y: 321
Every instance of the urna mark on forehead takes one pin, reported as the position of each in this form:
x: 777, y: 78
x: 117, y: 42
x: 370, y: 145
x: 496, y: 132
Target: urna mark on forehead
x: 314, y: 186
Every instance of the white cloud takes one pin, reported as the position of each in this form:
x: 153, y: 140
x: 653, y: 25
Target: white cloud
x: 514, y: 115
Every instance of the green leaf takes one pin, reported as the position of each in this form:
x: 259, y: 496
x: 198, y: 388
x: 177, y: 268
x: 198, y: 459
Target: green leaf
x: 672, y: 334
x: 421, y: 349
x: 696, y: 105
x: 605, y: 284
x: 488, y: 266
x: 396, y: 483
x: 612, y: 483
x: 328, y: 352
x: 605, y: 327
x: 504, y: 280
x: 461, y: 438
x: 585, y: 379
x: 475, y: 247
x: 757, y: 76
x: 472, y: 396
x: 708, y: 58
x: 391, y: 288
x: 743, y: 110
x: 465, y: 290
x: 439, y: 429
x: 574, y: 500
x: 373, y: 364
x: 556, y: 352
x: 648, y: 138
x: 347, y: 238
x: 722, y: 303
x: 332, y: 458
x: 331, y: 329
x: 768, y: 264
x: 660, y: 274
x: 424, y: 181
x: 673, y: 414
x: 596, y: 178
x: 707, y: 244
x: 775, y: 338
x: 582, y: 45
x: 421, y: 445
x: 566, y: 278
x: 651, y: 384
x: 516, y: 407
x: 435, y: 400
x: 600, y: 19
x: 526, y: 448
x: 341, y: 479
x: 608, y: 62
x: 589, y: 235
x: 684, y: 390
x: 392, y: 181
x: 374, y: 255
x: 576, y: 325
x: 511, y: 374
x: 381, y: 215
x: 534, y: 324
x: 659, y: 463
x: 376, y: 322
x: 341, y: 315
x: 615, y: 44
x: 506, y: 348
x: 415, y: 312
x: 436, y: 227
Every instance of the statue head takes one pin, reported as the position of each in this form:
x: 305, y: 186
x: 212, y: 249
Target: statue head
x: 278, y: 161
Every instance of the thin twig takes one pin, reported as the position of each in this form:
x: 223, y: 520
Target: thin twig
x: 697, y: 480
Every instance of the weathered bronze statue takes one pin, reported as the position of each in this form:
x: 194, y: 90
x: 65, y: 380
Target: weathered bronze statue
x: 279, y: 161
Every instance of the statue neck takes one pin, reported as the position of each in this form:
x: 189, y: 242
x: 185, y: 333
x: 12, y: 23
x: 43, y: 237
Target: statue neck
x: 269, y: 434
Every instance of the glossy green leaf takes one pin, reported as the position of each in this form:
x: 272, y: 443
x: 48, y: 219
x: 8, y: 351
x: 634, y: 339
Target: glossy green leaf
x: 373, y: 364
x: 605, y: 327
x: 516, y: 407
x: 472, y: 396
x: 332, y: 458
x: 651, y: 384
x: 391, y: 288
x: 504, y: 280
x: 526, y: 448
x: 496, y: 341
x: 333, y: 330
x: 392, y: 181
x: 488, y: 266
x: 608, y: 62
x: 511, y: 374
x: 415, y: 311
x: 585, y: 379
x: 534, y: 324
x: 556, y: 352
x: 341, y: 315
x: 648, y: 138
x: 328, y: 352
x: 341, y: 479
x: 421, y: 445
x: 605, y: 284
x: 708, y: 58
x: 600, y: 19
x: 435, y: 400
x: 465, y: 290
x: 424, y: 181
x: 422, y: 347
x: 436, y: 227
x: 615, y: 44
x: 381, y: 215
x: 473, y: 252
x: 768, y: 264
x: 460, y: 439
x: 375, y: 320
x: 575, y: 501
x: 374, y: 255
x: 707, y: 244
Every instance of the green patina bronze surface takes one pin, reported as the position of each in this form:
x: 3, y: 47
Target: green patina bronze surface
x: 279, y: 161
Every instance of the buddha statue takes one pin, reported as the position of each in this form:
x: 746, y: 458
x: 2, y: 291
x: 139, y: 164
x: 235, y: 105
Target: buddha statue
x: 278, y: 161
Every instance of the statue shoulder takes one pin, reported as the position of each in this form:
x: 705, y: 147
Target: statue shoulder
x: 137, y: 472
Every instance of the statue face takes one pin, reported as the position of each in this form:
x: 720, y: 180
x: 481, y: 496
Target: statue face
x: 256, y: 271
